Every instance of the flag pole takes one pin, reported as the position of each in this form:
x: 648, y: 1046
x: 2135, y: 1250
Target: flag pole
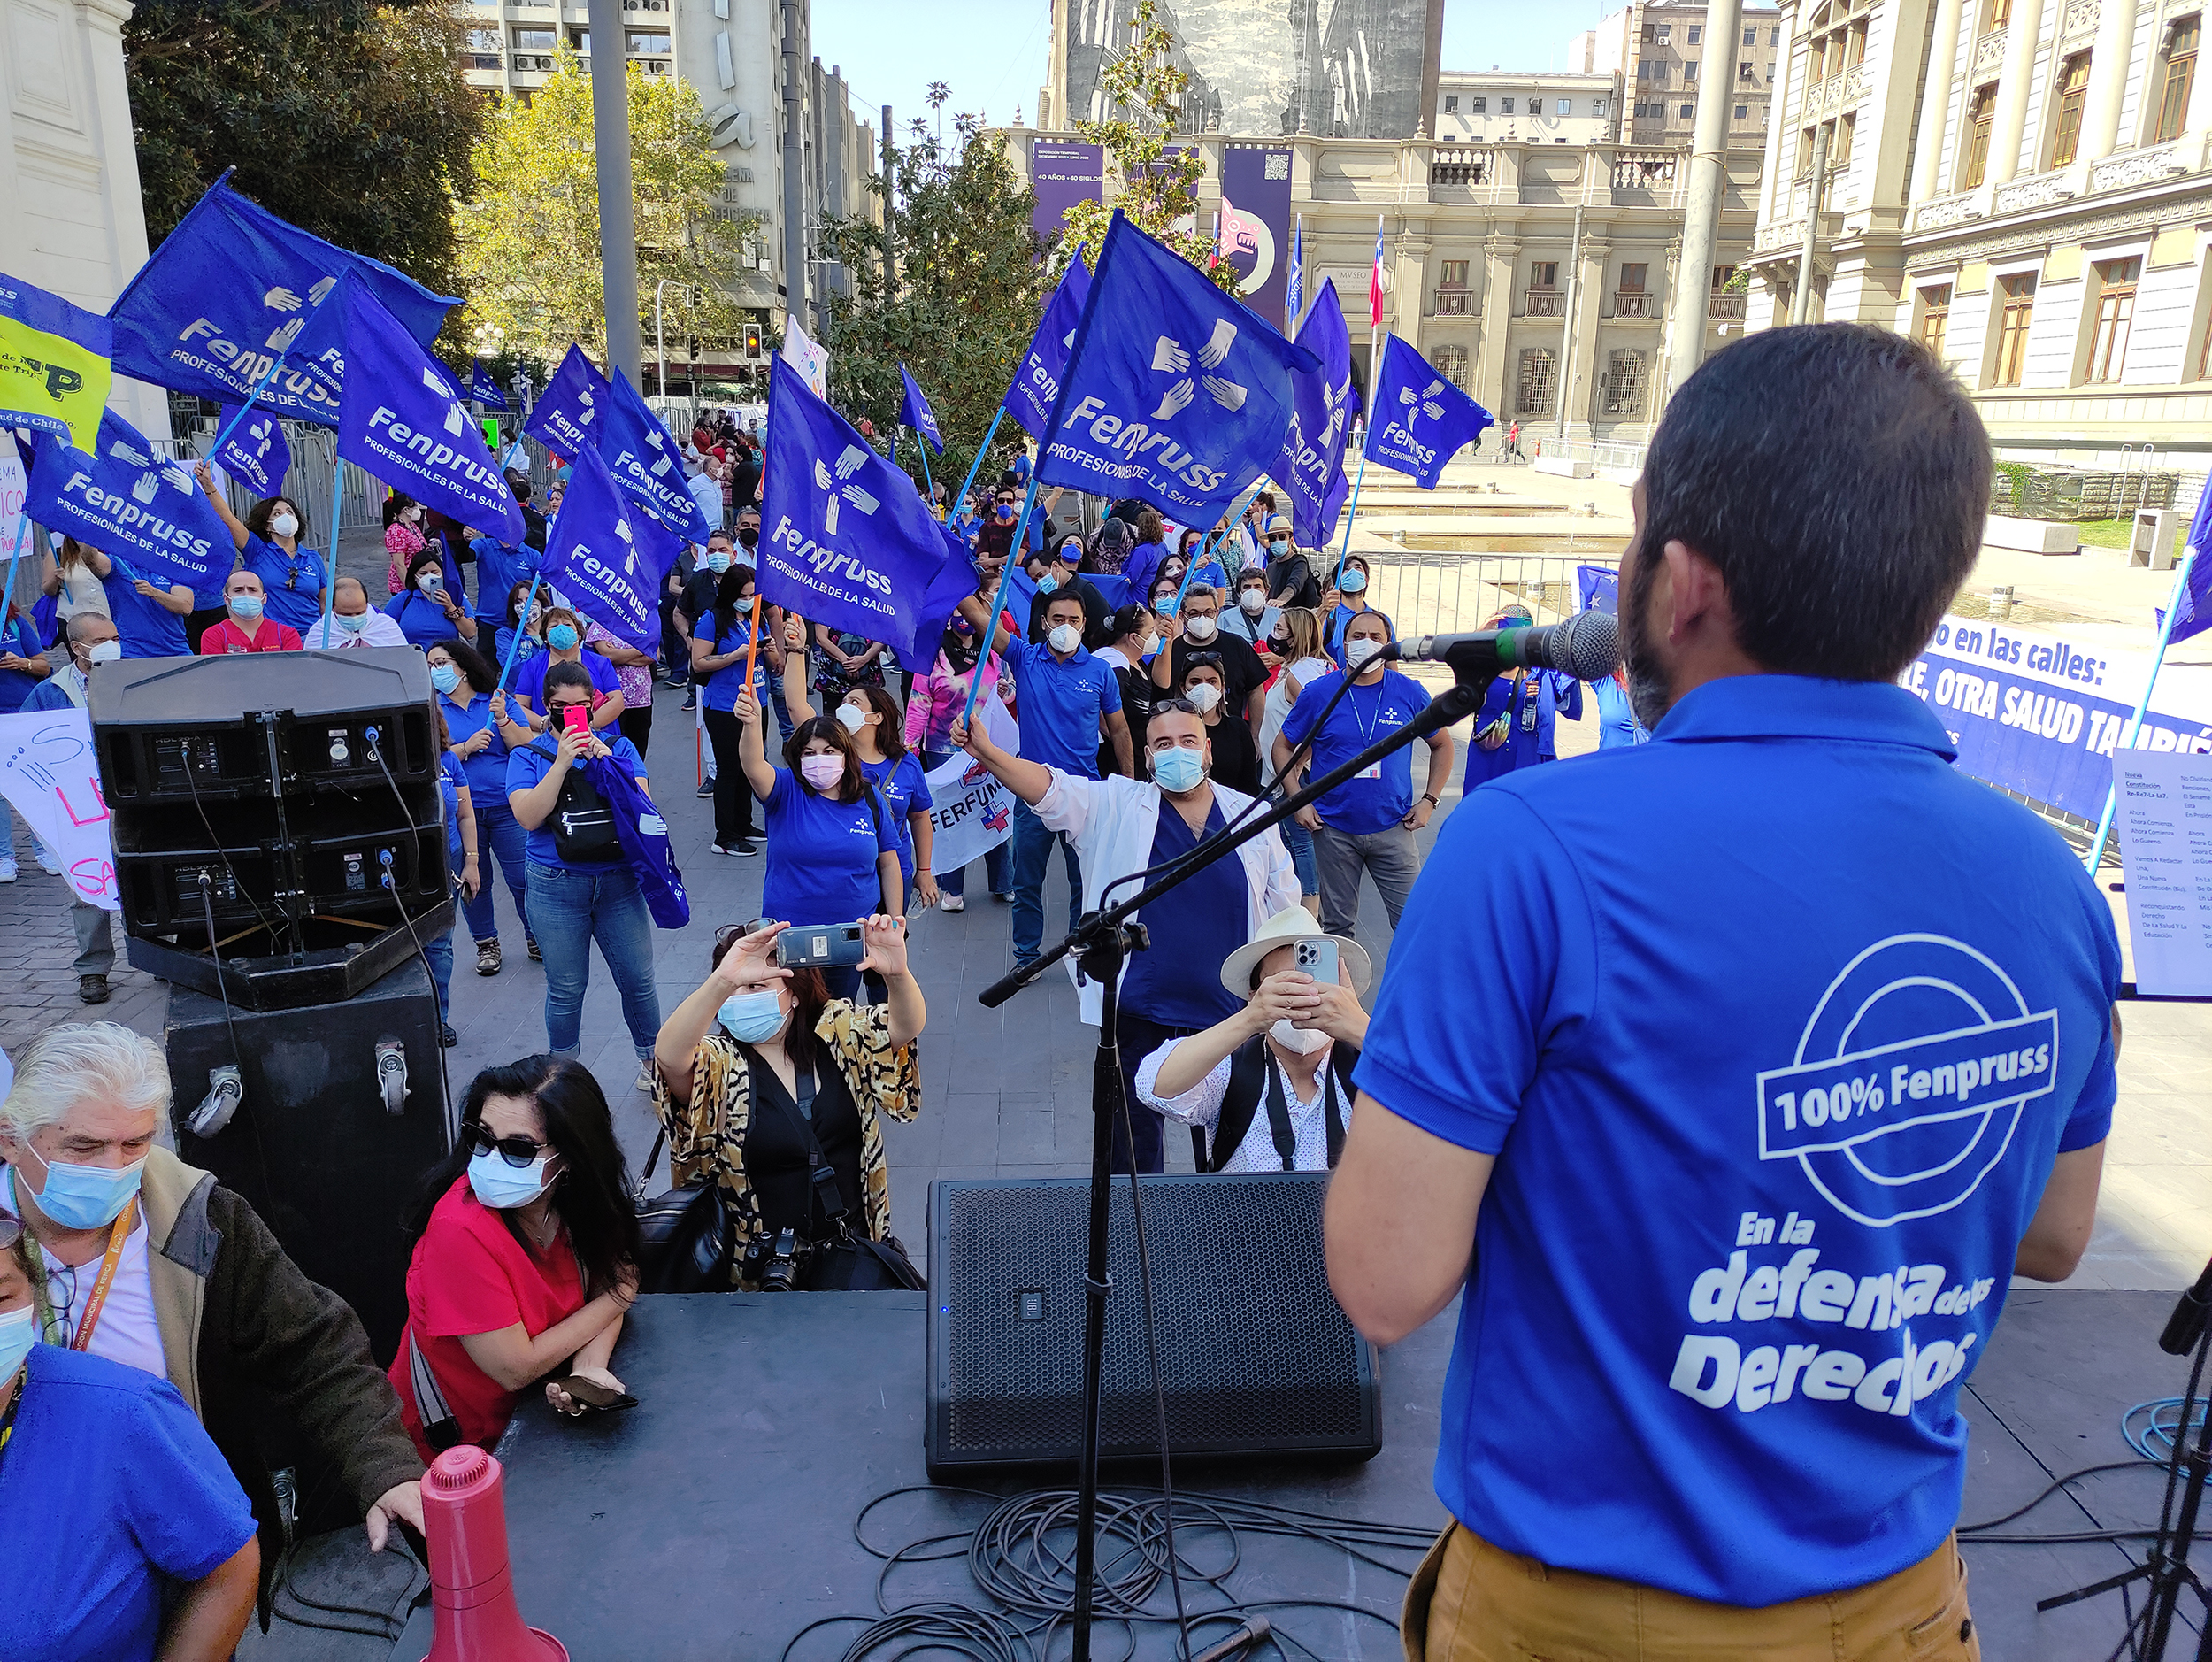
x: 752, y: 645
x: 231, y: 426
x: 330, y: 574
x: 522, y: 622
x: 1213, y: 544
x: 1374, y: 373
x: 929, y: 491
x: 2142, y: 705
x: 1005, y: 577
x: 968, y: 483
x: 7, y: 592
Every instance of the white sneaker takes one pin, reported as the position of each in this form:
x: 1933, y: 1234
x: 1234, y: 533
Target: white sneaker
x: 645, y: 1078
x: 7, y: 870
x: 49, y: 861
x: 952, y: 903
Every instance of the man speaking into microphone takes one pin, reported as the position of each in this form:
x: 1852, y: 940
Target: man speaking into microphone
x: 1801, y: 1048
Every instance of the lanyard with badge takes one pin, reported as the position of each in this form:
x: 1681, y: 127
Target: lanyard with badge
x: 1373, y: 770
x: 49, y: 1320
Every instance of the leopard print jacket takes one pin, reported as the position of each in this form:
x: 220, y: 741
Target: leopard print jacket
x: 706, y: 1136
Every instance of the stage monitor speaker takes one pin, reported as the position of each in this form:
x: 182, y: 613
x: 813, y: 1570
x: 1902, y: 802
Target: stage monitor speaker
x: 343, y: 1113
x: 1256, y: 1357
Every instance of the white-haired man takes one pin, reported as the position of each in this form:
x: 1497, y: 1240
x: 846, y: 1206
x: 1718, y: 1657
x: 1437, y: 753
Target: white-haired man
x: 147, y: 1262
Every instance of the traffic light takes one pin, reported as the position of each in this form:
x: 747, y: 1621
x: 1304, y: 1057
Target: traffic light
x: 752, y: 341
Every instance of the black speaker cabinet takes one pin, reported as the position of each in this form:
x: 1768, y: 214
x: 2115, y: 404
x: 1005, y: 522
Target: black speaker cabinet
x: 260, y: 773
x: 316, y: 1147
x: 1257, y: 1356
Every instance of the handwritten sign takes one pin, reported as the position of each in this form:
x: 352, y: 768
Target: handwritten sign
x: 2165, y: 817
x: 50, y: 771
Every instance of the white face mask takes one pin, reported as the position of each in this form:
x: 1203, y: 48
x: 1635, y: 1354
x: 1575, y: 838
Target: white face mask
x: 104, y: 651
x: 1253, y: 601
x: 284, y: 524
x: 1305, y: 1041
x: 1200, y: 627
x: 851, y: 718
x: 1360, y: 653
x: 1066, y: 638
x: 1203, y: 696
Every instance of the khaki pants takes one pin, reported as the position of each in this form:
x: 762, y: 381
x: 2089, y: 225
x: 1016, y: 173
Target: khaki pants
x: 1471, y: 1602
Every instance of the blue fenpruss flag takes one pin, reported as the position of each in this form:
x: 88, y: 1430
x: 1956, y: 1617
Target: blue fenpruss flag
x: 400, y: 417
x: 1311, y: 471
x: 2192, y: 614
x: 597, y: 555
x: 568, y: 416
x: 1420, y: 418
x: 228, y: 292
x: 647, y: 463
x: 257, y: 454
x: 845, y: 539
x: 1295, y: 292
x: 1037, y: 382
x: 914, y: 411
x: 1174, y: 393
x: 131, y: 504
x: 483, y: 389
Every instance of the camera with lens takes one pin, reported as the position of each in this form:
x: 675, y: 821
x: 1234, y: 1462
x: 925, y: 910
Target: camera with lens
x: 773, y: 1264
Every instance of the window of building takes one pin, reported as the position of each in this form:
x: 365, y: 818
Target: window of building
x: 1743, y: 72
x: 1454, y: 273
x: 1536, y: 104
x: 1534, y: 393
x: 2016, y: 295
x: 1664, y: 28
x: 1597, y: 106
x: 1566, y: 106
x: 1696, y: 32
x: 1751, y: 35
x: 1633, y: 275
x: 2178, y: 76
x: 536, y: 39
x: 1624, y: 382
x: 1451, y: 104
x: 1451, y: 363
x: 1505, y: 105
x: 2073, y: 92
x: 580, y: 39
x: 1854, y: 44
x: 1688, y: 110
x: 1840, y: 142
x: 2115, y: 311
x: 1477, y: 106
x: 648, y: 45
x: 1774, y: 37
x: 1689, y: 74
x: 1935, y: 317
x: 1722, y: 276
x: 1743, y: 112
x: 483, y: 40
x: 1996, y: 15
x: 1981, y: 115
x: 1647, y: 34
x: 1543, y: 273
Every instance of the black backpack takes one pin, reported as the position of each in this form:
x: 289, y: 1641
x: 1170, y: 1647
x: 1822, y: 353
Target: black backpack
x: 1247, y: 1085
x: 583, y: 825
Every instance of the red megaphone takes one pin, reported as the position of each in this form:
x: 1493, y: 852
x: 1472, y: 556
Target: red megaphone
x: 471, y: 1589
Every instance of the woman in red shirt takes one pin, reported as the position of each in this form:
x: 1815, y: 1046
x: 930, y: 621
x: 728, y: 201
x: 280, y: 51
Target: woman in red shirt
x: 525, y: 1261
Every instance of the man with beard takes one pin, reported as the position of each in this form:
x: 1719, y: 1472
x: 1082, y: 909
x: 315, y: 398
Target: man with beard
x: 1731, y: 1090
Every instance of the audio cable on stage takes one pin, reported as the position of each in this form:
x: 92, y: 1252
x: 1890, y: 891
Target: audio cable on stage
x: 1020, y: 1560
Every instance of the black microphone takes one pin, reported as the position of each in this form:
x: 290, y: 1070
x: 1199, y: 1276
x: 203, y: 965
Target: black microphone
x: 1587, y: 646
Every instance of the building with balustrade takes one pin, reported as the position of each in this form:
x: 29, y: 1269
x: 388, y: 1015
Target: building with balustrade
x: 1663, y: 53
x: 2020, y: 183
x: 1536, y: 275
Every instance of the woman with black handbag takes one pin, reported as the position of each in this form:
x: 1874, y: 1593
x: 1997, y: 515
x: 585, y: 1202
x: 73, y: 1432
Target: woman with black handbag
x: 773, y: 1090
x: 579, y: 882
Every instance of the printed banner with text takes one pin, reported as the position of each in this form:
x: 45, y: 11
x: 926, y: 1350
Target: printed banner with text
x: 1255, y: 222
x: 1063, y: 173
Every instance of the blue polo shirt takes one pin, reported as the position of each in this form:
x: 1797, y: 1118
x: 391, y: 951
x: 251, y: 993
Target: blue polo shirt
x: 528, y: 680
x: 484, y: 773
x: 725, y: 683
x: 1617, y: 718
x: 451, y: 781
x: 146, y: 629
x: 422, y: 619
x: 905, y: 790
x: 1359, y: 805
x: 822, y: 854
x: 1061, y: 705
x: 498, y: 569
x: 1527, y: 742
x: 1770, y: 1115
x: 21, y: 639
x: 294, y: 583
x: 529, y: 764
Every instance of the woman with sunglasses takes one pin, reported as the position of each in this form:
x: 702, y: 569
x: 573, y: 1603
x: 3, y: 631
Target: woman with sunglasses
x: 144, y: 1549
x: 524, y: 1259
x: 762, y: 1068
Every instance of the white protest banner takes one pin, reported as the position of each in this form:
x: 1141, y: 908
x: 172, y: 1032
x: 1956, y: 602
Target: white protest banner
x: 14, y: 486
x: 2165, y: 808
x: 974, y: 813
x: 50, y: 771
x: 803, y: 355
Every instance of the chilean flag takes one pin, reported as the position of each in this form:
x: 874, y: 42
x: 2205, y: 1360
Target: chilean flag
x: 1374, y: 279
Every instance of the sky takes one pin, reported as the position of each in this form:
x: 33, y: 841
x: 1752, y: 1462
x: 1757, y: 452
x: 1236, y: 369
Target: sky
x: 992, y: 52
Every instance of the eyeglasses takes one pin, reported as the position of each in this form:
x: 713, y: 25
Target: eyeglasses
x: 10, y: 1230
x: 516, y: 1151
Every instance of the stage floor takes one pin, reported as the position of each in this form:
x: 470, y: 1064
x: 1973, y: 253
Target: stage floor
x: 716, y: 1521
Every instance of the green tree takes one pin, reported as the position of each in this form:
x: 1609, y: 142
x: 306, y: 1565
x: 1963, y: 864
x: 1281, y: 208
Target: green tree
x: 1158, y: 178
x: 526, y: 217
x: 968, y: 288
x: 349, y: 119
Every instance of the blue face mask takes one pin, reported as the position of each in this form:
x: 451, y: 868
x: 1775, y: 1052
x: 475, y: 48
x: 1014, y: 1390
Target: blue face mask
x: 87, y: 1196
x: 1178, y: 770
x: 19, y: 1332
x: 444, y: 677
x: 502, y: 1187
x: 561, y: 637
x: 246, y: 607
x: 1047, y: 583
x: 1352, y: 581
x: 718, y: 562
x: 351, y: 626
x: 752, y: 1018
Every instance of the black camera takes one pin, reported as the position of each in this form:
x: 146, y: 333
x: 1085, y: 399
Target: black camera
x: 772, y: 1264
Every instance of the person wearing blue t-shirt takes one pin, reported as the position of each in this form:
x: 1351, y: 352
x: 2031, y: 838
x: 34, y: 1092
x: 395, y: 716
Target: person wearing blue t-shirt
x: 23, y: 660
x: 461, y: 833
x: 563, y: 644
x: 1069, y: 701
x: 268, y: 541
x: 149, y: 618
x: 427, y: 610
x: 721, y: 638
x: 1617, y: 726
x: 574, y: 900
x: 499, y: 567
x: 125, y: 1533
x: 520, y: 635
x: 1345, y: 600
x: 474, y: 738
x: 1365, y: 825
x: 1736, y: 1150
x: 832, y: 851
x: 1517, y: 724
x: 872, y: 716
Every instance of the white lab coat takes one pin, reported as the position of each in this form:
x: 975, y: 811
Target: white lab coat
x: 1112, y: 822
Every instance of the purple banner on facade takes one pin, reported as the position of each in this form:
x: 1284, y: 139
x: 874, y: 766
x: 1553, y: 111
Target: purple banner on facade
x: 1063, y: 173
x: 1255, y: 222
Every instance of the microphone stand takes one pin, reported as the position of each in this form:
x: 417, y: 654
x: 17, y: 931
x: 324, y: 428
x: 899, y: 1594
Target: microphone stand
x: 1101, y: 942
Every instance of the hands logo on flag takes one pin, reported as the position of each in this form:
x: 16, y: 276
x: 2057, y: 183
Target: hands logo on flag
x: 1175, y: 359
x: 1422, y: 402
x: 848, y: 464
x: 1408, y: 390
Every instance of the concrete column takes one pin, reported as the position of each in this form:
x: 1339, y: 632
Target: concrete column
x: 1564, y: 392
x: 1802, y: 301
x: 2107, y: 80
x: 617, y: 217
x: 2016, y: 85
x: 1708, y: 186
x: 1500, y: 255
x: 1935, y: 103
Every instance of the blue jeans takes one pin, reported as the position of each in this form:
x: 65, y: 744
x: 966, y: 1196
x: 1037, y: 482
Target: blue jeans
x: 498, y: 833
x: 569, y: 910
x: 995, y: 863
x: 1032, y: 853
x: 439, y: 950
x: 1299, y: 840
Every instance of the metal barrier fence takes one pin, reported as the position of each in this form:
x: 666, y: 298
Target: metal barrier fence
x: 1445, y: 594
